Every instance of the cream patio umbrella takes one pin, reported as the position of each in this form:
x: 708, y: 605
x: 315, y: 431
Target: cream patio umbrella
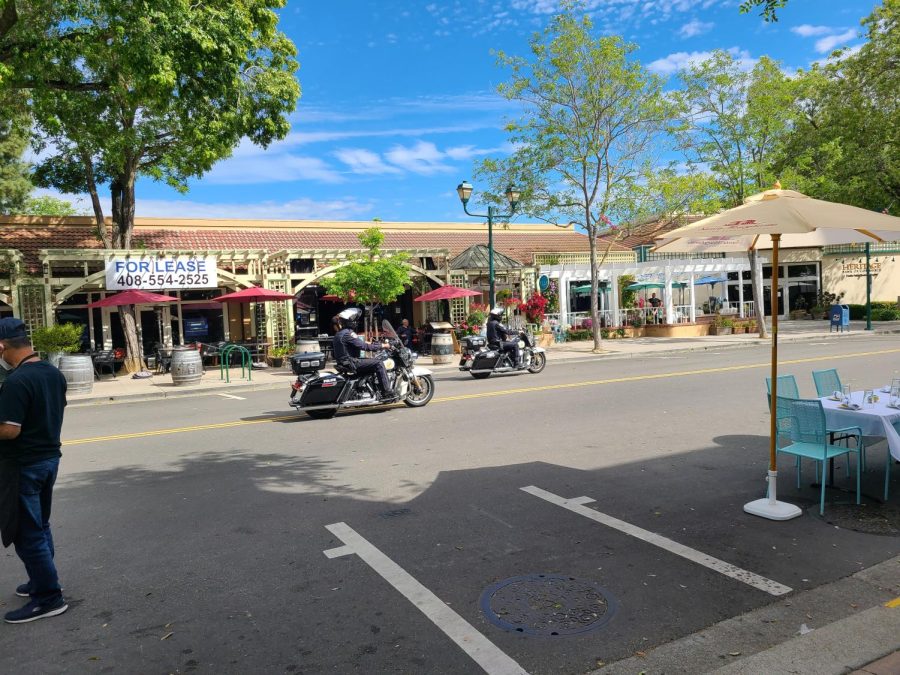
x: 773, y: 219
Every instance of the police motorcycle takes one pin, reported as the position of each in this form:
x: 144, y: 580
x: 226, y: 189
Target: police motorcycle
x: 321, y: 395
x: 481, y: 361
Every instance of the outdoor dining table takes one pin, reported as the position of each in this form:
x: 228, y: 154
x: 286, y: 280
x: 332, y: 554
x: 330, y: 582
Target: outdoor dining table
x: 873, y: 419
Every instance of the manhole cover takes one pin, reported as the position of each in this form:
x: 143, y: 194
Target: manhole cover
x: 547, y: 605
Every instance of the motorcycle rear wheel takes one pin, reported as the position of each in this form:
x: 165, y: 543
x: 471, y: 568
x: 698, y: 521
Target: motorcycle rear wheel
x: 481, y: 376
x: 324, y: 414
x: 538, y: 361
x: 414, y: 400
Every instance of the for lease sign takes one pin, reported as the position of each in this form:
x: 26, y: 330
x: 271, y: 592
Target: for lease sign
x: 156, y: 274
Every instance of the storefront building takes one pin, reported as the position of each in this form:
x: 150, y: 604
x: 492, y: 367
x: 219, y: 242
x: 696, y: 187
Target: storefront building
x: 52, y: 268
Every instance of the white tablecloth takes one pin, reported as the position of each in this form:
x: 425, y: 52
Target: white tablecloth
x: 875, y: 419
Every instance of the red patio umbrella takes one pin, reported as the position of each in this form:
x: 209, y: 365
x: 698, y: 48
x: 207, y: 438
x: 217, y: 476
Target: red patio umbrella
x: 254, y: 294
x: 331, y: 298
x: 446, y: 293
x: 132, y: 298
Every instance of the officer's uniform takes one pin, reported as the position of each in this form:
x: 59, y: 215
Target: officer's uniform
x: 498, y: 338
x: 348, y: 347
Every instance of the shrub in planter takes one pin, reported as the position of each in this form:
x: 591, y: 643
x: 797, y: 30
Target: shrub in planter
x: 63, y: 338
x: 278, y: 354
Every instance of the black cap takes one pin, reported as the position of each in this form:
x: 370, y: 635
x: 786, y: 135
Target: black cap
x: 11, y: 327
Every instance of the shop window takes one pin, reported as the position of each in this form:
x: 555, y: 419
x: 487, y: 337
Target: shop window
x: 200, y: 294
x: 746, y: 275
x: 732, y: 276
x: 803, y: 270
x: 303, y: 266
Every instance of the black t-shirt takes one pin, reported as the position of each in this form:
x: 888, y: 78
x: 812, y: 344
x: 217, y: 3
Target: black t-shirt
x: 33, y: 397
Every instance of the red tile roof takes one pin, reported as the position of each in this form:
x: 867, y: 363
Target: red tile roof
x: 517, y: 242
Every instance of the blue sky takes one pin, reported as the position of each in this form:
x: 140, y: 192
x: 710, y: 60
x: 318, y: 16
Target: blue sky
x: 399, y: 97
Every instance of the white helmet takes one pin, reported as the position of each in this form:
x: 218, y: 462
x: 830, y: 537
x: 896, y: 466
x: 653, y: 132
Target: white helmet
x: 349, y: 317
x: 496, y: 312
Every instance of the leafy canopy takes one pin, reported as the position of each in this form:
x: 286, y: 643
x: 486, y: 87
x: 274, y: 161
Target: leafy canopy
x: 373, y: 276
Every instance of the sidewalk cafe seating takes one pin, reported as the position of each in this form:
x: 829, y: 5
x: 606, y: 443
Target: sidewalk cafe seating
x: 801, y: 425
x: 787, y: 387
x: 163, y: 359
x: 827, y: 382
x: 105, y: 358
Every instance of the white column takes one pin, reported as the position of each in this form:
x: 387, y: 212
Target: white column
x: 670, y: 306
x: 693, y: 300
x: 563, y: 299
x: 740, y: 293
x: 614, y: 296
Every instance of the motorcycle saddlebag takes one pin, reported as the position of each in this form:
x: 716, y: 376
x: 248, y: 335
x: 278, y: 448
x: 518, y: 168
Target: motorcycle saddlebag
x: 311, y: 362
x: 324, y: 390
x: 486, y: 360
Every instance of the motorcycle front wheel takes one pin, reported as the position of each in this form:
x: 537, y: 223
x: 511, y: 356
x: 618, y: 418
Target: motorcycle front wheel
x: 417, y: 400
x: 538, y: 361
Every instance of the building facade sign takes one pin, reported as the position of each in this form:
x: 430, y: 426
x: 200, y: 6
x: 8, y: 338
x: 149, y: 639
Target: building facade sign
x: 853, y: 269
x: 156, y: 274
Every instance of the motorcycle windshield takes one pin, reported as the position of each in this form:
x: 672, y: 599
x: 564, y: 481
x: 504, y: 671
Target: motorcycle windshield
x: 388, y: 330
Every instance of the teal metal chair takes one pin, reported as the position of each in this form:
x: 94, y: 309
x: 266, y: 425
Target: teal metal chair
x: 827, y: 382
x: 787, y: 386
x: 800, y: 425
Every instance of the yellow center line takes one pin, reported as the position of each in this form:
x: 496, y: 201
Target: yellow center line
x: 893, y: 603
x: 488, y: 394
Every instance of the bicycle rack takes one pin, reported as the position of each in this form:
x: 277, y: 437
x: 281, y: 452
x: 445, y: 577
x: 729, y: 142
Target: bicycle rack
x: 225, y: 362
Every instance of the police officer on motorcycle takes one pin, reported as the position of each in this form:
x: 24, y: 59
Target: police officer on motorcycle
x: 498, y: 336
x: 348, y: 347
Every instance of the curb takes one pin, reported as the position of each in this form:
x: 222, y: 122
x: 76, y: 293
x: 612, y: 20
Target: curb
x: 564, y: 356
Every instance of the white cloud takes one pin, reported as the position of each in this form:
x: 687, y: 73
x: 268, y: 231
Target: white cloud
x: 422, y: 158
x: 826, y: 44
x: 681, y: 60
x: 269, y: 167
x: 695, y: 27
x: 300, y: 209
x: 364, y: 161
x: 464, y: 152
x: 807, y: 30
x: 345, y: 208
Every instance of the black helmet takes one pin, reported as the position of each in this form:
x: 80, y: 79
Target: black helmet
x: 349, y: 317
x: 496, y: 313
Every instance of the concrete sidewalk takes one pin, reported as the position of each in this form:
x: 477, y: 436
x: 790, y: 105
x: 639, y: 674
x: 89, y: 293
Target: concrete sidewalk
x: 124, y: 388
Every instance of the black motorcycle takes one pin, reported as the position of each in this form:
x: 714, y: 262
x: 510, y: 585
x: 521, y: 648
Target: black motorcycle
x: 321, y: 395
x: 482, y: 361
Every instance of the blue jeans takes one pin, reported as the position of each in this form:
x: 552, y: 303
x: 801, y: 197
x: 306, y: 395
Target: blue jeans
x: 34, y: 543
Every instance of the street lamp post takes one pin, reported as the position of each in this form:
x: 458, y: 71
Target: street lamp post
x: 868, y: 286
x: 464, y: 190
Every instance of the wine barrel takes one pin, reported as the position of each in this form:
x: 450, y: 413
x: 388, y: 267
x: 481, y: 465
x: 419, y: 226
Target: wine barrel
x: 78, y: 369
x: 307, y: 347
x: 441, y: 348
x: 187, y: 368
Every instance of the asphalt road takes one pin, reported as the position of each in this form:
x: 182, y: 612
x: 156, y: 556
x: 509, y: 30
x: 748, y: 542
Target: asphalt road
x: 191, y: 533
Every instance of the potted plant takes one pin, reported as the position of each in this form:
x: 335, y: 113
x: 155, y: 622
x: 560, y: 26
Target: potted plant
x: 54, y: 341
x: 278, y: 354
x: 717, y: 327
x: 727, y: 327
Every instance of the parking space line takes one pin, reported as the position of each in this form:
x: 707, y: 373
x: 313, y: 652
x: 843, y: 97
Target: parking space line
x: 481, y: 650
x: 577, y: 505
x: 237, y: 398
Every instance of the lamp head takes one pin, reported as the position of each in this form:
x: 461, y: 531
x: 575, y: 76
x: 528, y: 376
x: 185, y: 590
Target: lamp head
x: 464, y: 190
x: 512, y: 196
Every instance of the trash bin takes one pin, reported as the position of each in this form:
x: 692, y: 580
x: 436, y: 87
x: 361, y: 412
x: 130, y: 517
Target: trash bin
x: 840, y: 317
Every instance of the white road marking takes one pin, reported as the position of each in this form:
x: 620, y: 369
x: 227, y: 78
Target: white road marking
x: 577, y: 505
x: 237, y: 398
x: 484, y: 652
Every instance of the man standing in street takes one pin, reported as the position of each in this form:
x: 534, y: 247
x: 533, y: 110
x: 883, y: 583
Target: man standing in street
x: 32, y: 400
x: 405, y: 333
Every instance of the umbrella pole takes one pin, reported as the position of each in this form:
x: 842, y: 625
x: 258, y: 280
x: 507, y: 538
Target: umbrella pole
x: 770, y: 507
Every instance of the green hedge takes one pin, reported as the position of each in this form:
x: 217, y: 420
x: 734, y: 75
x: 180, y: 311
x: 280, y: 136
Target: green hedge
x: 580, y: 335
x: 886, y: 311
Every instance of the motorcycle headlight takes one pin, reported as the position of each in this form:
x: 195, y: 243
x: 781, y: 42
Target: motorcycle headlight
x: 389, y: 364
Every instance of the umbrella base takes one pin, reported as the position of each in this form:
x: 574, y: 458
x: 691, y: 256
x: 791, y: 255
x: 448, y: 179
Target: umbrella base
x: 770, y: 507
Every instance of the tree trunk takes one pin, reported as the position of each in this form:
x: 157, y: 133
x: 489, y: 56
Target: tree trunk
x: 99, y: 219
x: 122, y: 190
x: 133, y: 361
x: 595, y: 309
x: 757, y: 285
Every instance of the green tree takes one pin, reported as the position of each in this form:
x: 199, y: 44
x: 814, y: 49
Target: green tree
x: 162, y: 90
x: 586, y: 137
x: 373, y: 277
x: 769, y: 8
x: 735, y: 124
x: 49, y: 206
x: 14, y: 183
x: 845, y: 144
